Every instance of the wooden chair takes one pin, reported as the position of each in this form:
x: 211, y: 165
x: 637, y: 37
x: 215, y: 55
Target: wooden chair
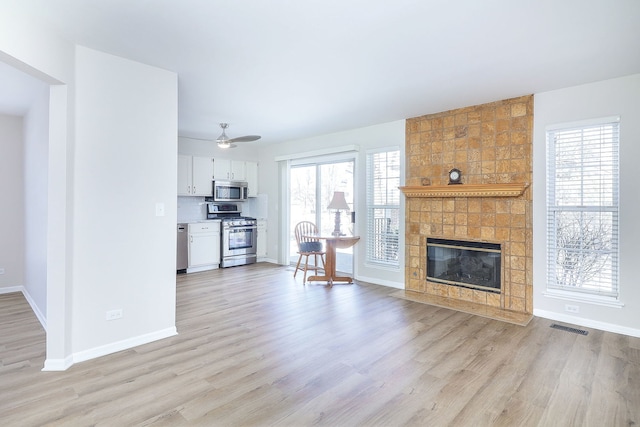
x: 308, y: 246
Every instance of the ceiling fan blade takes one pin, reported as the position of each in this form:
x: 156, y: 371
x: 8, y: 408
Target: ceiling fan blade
x: 246, y: 138
x: 197, y: 139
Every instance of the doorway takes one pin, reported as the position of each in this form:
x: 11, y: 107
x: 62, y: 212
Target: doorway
x: 312, y: 184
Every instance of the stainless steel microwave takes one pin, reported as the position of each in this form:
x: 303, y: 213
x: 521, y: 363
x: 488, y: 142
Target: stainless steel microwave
x: 230, y: 191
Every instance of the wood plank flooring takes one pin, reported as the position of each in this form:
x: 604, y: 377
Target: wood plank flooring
x: 255, y: 347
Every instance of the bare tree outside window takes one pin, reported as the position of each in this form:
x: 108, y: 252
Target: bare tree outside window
x: 583, y: 242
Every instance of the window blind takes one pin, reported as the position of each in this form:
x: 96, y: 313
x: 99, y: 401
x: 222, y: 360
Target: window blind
x: 582, y: 208
x: 383, y: 207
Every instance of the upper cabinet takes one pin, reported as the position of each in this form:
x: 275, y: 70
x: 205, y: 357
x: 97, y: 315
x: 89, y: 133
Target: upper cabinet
x: 237, y: 170
x: 185, y: 180
x: 251, y: 169
x: 232, y: 170
x: 195, y: 175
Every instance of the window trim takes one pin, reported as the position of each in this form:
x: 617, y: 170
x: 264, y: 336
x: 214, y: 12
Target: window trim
x: 566, y: 293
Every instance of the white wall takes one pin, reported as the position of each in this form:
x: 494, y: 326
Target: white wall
x: 125, y: 162
x: 616, y: 97
x: 126, y: 130
x: 12, y: 197
x: 383, y: 135
x: 36, y: 171
x: 28, y: 46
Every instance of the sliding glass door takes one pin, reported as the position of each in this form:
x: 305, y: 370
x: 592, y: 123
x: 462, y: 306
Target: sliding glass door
x: 312, y: 185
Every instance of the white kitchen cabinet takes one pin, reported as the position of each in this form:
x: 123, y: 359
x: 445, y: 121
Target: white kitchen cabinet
x: 251, y: 169
x: 185, y: 178
x: 232, y: 170
x: 202, y: 176
x: 204, y: 244
x: 195, y: 175
x: 221, y: 169
x: 261, y: 242
x: 238, y: 171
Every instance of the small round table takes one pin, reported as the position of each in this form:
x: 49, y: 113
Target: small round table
x: 333, y: 243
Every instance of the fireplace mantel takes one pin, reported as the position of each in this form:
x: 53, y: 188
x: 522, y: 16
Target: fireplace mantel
x: 466, y: 190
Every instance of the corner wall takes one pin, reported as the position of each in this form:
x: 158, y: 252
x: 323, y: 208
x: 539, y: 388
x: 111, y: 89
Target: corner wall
x: 615, y: 97
x: 36, y: 171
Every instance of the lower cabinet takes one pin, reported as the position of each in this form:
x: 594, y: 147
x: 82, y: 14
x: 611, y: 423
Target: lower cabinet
x: 204, y: 246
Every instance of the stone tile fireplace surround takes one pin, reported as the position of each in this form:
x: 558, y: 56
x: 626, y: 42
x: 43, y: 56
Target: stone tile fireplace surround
x: 492, y: 145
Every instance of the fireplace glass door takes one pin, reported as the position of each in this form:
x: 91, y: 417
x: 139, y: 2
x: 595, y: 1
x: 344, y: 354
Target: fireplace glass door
x: 475, y: 265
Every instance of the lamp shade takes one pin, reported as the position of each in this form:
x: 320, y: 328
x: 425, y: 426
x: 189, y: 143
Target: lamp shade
x: 338, y: 201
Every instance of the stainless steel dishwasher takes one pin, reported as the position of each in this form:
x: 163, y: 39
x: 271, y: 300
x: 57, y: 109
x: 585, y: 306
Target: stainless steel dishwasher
x: 182, y: 261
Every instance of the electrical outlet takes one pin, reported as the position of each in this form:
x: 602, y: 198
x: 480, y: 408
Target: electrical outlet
x: 571, y: 308
x: 114, y: 314
x: 1, y: 270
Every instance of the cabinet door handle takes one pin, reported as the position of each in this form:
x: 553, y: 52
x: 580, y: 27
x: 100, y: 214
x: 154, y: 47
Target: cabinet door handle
x: 188, y: 189
x: 194, y: 189
x: 191, y: 239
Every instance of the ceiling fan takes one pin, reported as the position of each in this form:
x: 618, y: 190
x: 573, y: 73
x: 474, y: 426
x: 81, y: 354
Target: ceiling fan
x: 225, y: 142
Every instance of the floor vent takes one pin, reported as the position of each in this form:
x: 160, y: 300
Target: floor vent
x: 568, y: 329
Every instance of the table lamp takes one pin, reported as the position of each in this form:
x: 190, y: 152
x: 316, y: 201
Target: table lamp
x: 338, y: 203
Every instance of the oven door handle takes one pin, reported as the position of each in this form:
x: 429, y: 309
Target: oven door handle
x: 241, y: 228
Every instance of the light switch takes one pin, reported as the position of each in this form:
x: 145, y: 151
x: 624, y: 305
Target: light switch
x: 159, y: 209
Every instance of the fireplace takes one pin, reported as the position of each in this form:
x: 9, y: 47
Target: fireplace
x: 469, y: 264
x: 492, y: 145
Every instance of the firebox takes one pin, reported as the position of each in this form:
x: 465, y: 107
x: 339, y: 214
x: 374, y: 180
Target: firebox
x: 475, y: 265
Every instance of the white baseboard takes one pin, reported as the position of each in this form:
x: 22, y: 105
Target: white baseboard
x: 53, y: 365
x: 93, y: 353
x: 126, y: 344
x: 11, y: 289
x: 377, y: 281
x: 587, y: 323
x: 36, y: 310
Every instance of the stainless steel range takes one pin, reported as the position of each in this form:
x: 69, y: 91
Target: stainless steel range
x: 239, y: 235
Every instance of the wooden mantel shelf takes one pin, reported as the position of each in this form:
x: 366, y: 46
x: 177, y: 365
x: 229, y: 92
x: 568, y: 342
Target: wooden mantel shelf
x: 466, y: 190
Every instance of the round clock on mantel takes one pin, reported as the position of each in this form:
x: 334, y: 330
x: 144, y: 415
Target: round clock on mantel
x: 455, y: 176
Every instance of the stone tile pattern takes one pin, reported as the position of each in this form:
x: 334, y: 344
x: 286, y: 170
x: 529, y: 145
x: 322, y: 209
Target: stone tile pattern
x: 489, y: 143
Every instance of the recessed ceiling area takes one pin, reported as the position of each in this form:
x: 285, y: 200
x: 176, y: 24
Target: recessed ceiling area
x: 288, y: 70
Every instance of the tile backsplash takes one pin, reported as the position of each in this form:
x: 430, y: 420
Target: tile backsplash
x: 195, y: 208
x: 191, y: 208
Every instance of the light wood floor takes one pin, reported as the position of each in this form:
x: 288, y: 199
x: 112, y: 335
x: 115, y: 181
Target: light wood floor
x: 257, y: 348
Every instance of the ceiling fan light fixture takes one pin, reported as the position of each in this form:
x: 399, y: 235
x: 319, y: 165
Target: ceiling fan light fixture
x: 225, y: 142
x: 223, y: 138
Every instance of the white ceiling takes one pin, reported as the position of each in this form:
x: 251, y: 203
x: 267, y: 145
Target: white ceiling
x: 288, y: 69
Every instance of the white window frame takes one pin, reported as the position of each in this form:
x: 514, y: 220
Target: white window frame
x: 374, y: 236
x: 605, y: 288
